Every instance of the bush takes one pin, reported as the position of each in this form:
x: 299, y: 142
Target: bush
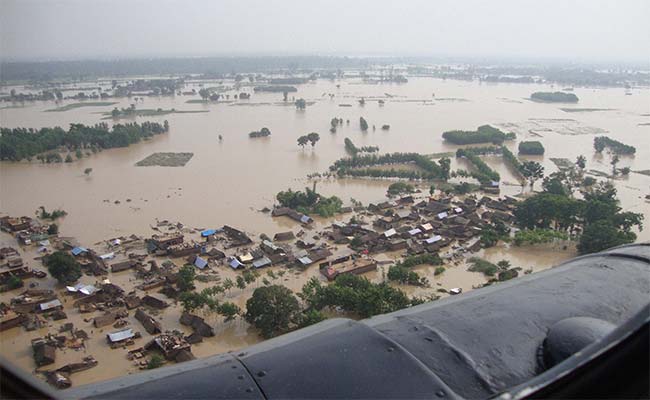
x: 602, y: 142
x: 531, y: 148
x: 483, y: 266
x: 156, y: 361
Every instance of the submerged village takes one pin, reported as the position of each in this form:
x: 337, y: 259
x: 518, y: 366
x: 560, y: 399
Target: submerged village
x: 133, y: 302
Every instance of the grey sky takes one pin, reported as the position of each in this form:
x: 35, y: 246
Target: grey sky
x: 585, y: 30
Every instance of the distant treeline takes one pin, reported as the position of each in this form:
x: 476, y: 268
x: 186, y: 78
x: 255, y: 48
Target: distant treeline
x: 601, y: 142
x: 21, y: 143
x: 211, y: 66
x: 483, y: 134
x: 554, y: 97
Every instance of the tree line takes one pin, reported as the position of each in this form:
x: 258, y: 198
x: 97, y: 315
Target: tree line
x: 354, y: 166
x: 24, y: 143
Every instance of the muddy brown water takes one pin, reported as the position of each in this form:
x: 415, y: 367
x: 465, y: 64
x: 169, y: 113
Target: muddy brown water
x: 228, y: 182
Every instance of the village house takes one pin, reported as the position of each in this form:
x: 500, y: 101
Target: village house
x: 148, y: 322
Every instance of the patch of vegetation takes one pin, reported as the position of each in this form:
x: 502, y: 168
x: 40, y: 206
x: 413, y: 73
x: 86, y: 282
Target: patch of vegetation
x: 133, y: 112
x: 483, y: 134
x: 537, y: 236
x: 165, y: 160
x: 354, y: 166
x: 20, y: 143
x: 309, y: 202
x: 73, y: 106
x: 312, y: 138
x: 401, y: 274
x: 554, y: 97
x: 531, y: 148
x: 398, y: 188
x: 63, y: 267
x: 54, y: 215
x: 354, y: 294
x: 602, y: 142
x: 483, y: 266
x: 421, y: 259
x: 484, y: 173
x: 264, y: 132
x: 354, y: 150
x: 597, y: 215
x: 156, y: 361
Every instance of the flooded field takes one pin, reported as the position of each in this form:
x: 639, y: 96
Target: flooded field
x: 229, y: 181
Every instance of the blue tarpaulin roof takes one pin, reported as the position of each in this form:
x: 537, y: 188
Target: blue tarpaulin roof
x: 208, y: 232
x: 78, y: 250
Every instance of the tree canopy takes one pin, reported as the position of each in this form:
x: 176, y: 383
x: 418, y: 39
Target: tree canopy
x: 63, y: 267
x: 272, y: 309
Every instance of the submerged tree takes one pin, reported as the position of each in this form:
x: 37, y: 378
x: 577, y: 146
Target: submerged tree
x: 532, y: 170
x: 301, y: 104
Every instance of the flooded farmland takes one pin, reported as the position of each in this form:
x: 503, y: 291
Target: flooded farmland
x: 229, y: 181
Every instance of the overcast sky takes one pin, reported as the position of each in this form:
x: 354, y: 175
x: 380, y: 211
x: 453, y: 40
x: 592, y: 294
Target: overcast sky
x: 586, y: 30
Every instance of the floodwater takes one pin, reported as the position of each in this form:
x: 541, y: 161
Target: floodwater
x: 228, y: 182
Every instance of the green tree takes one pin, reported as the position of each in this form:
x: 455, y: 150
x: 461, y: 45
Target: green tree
x: 313, y: 138
x: 185, y: 278
x: 581, y: 162
x: 241, y: 282
x: 602, y: 235
x: 445, y: 167
x: 228, y: 310
x: 14, y: 282
x: 302, y: 141
x: 532, y: 170
x: 193, y: 301
x: 301, y: 104
x: 53, y: 229
x: 228, y: 284
x: 63, y: 267
x: 614, y: 162
x: 272, y: 309
x: 309, y: 317
x: 87, y: 171
x: 363, y: 123
x: 204, y: 93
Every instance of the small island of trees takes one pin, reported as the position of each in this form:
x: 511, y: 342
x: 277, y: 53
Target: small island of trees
x: 309, y: 202
x: 602, y: 142
x: 264, y: 132
x: 483, y: 134
x: 531, y: 148
x: 554, y: 97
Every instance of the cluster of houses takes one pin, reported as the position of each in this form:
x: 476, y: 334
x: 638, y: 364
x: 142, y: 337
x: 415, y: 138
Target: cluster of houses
x: 404, y: 225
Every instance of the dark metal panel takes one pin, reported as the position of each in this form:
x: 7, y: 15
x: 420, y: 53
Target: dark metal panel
x: 218, y: 377
x: 347, y: 360
x: 488, y: 340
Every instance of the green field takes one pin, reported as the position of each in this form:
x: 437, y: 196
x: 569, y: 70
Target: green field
x: 72, y: 106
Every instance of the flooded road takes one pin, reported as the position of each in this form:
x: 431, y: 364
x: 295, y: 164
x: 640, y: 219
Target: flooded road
x: 227, y: 182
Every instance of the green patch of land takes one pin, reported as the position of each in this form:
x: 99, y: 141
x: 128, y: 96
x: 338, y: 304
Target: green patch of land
x: 554, y: 97
x: 128, y: 113
x: 72, y: 106
x: 165, y: 160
